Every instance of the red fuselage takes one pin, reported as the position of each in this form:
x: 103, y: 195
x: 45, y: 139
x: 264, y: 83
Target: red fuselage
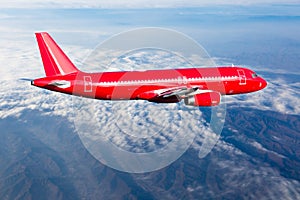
x: 197, y: 86
x: 131, y: 84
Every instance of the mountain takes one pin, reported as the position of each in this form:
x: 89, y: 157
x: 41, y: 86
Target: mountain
x: 257, y: 156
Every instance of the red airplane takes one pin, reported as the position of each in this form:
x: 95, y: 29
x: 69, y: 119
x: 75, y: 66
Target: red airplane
x: 196, y: 86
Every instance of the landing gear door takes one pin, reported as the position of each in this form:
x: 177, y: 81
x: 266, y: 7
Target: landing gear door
x: 88, y: 84
x: 242, y: 76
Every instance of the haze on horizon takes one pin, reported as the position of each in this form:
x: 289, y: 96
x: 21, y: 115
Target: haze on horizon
x: 136, y: 3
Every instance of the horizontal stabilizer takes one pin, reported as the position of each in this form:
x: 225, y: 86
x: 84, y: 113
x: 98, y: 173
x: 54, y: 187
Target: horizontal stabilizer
x: 25, y: 79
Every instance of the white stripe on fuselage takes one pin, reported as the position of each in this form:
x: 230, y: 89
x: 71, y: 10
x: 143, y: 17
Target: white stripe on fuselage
x: 179, y: 81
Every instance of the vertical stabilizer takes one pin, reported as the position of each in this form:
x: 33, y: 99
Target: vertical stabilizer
x: 54, y: 59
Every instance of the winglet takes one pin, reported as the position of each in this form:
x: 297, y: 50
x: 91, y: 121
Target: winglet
x: 54, y: 59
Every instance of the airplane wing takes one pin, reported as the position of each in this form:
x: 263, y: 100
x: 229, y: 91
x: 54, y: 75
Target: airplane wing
x: 162, y: 93
x: 181, y: 92
x: 175, y: 93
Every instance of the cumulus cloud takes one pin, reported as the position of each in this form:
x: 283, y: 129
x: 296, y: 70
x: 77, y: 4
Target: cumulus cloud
x: 131, y: 4
x: 279, y: 96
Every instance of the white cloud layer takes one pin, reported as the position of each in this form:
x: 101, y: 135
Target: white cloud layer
x: 131, y: 4
x: 283, y: 99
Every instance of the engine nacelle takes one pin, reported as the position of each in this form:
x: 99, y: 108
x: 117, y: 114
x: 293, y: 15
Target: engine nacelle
x: 204, y: 99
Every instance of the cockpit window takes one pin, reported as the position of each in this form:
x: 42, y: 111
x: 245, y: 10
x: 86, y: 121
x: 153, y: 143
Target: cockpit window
x: 254, y: 75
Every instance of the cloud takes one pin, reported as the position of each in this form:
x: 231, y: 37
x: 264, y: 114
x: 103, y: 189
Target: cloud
x: 279, y: 96
x: 131, y: 4
x: 255, y: 174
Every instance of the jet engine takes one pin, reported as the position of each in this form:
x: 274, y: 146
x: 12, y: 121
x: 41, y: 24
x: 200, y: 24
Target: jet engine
x: 204, y: 99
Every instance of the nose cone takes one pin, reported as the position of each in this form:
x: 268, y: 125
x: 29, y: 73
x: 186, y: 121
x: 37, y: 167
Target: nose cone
x: 262, y: 84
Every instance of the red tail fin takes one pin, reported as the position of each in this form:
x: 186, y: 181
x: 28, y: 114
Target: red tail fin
x: 54, y: 59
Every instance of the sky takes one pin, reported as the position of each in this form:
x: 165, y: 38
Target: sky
x: 133, y: 3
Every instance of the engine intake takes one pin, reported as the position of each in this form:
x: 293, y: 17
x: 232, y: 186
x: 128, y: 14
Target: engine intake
x: 204, y: 99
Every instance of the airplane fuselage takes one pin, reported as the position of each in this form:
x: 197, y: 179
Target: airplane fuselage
x: 129, y: 85
x: 196, y: 86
